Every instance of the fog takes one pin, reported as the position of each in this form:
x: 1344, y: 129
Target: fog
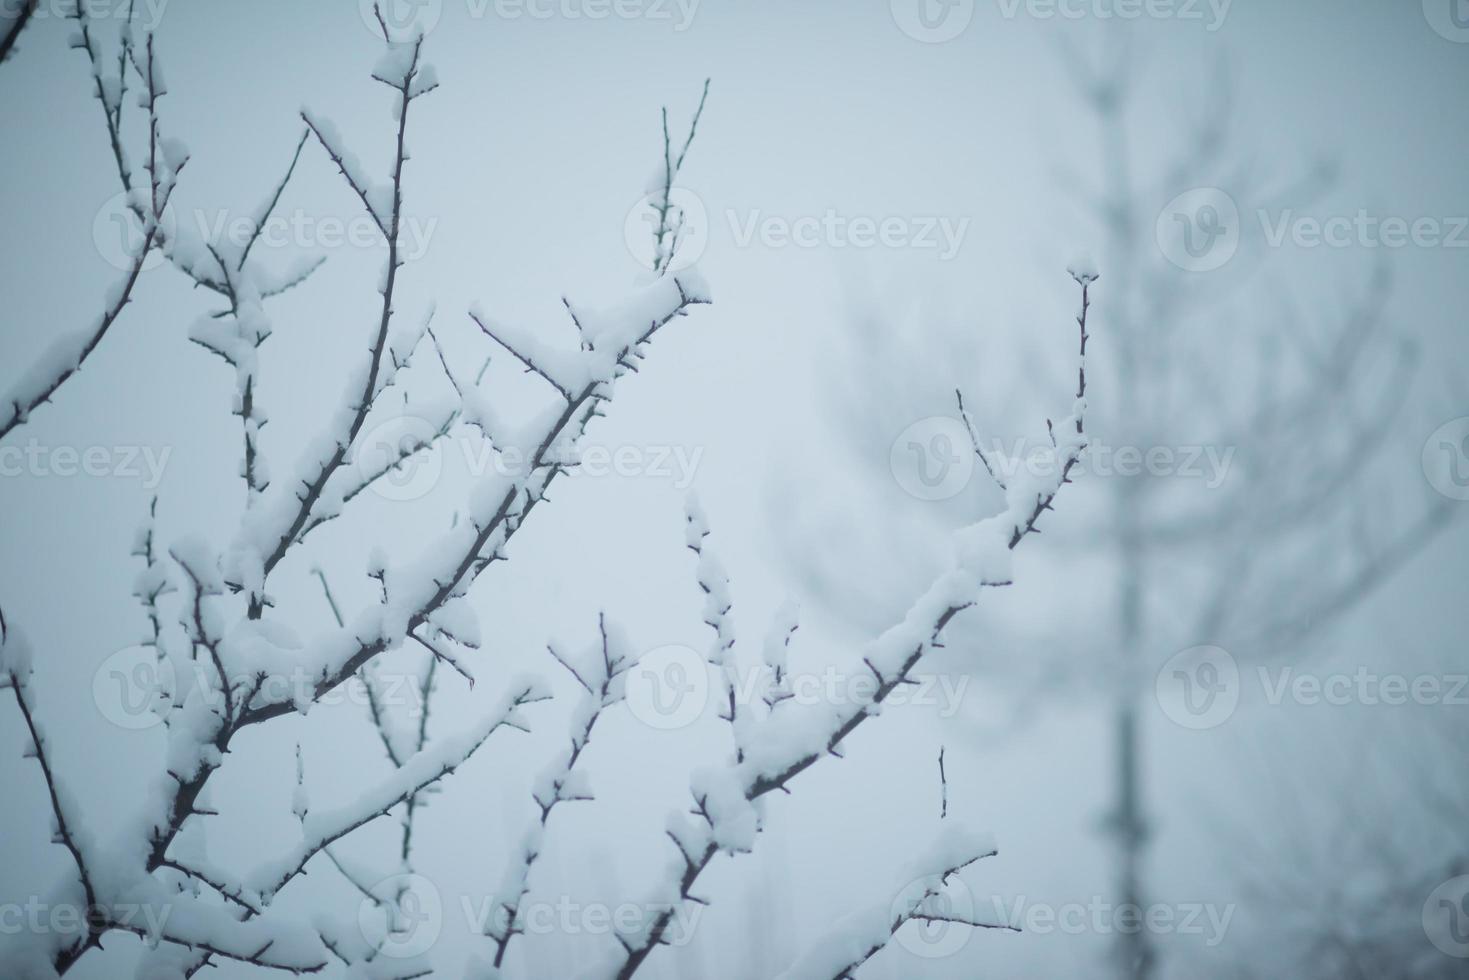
x: 1214, y: 714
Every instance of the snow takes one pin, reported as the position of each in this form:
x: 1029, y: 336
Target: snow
x: 175, y: 152
x: 225, y: 654
x: 983, y: 549
x: 856, y: 936
x: 396, y: 63
x: 325, y: 825
x: 300, y: 796
x: 848, y: 941
x: 1083, y: 268
x: 783, y: 624
x: 733, y: 818
x: 611, y: 333
x: 424, y: 81
x: 62, y: 357
x: 377, y: 197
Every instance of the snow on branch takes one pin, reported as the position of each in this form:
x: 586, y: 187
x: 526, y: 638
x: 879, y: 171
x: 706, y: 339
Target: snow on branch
x: 601, y: 673
x: 858, y: 937
x: 727, y: 811
x: 15, y: 670
x: 783, y: 626
x: 717, y: 604
x: 239, y: 664
x: 529, y: 350
x: 280, y: 526
x: 165, y: 158
x: 497, y: 510
x: 611, y: 339
x: 323, y: 827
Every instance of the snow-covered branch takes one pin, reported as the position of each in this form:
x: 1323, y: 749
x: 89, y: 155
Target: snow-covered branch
x: 280, y: 526
x: 861, y: 935
x: 727, y: 801
x: 600, y: 672
x: 165, y: 159
x: 321, y: 828
x: 714, y: 583
x: 239, y: 665
x: 15, y: 671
